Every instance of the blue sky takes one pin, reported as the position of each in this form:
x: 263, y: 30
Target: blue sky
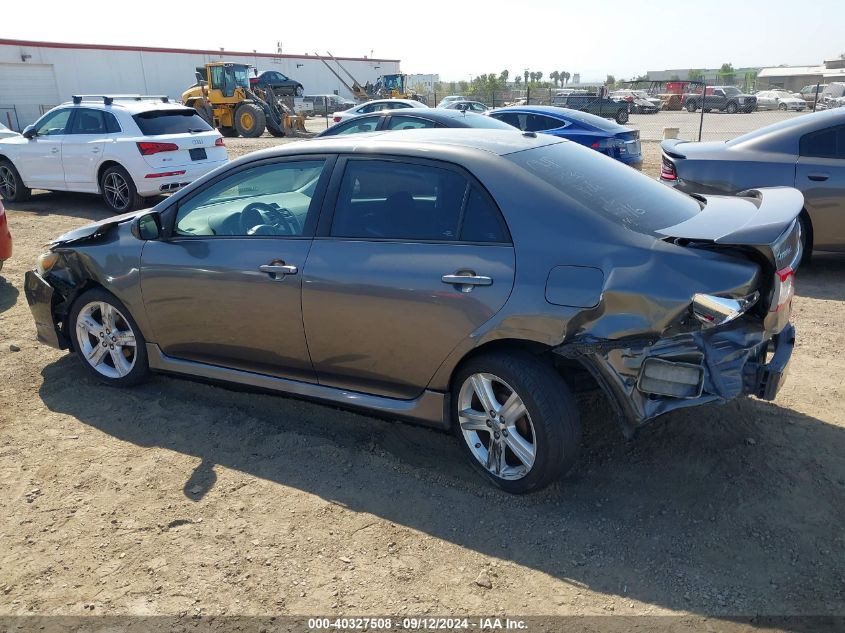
x: 461, y: 38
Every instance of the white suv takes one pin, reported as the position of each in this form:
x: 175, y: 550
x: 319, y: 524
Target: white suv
x: 126, y: 148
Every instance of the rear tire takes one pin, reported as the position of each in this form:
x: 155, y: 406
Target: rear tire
x: 107, y: 340
x: 12, y: 188
x: 119, y: 191
x: 782, y: 106
x: 250, y: 120
x: 275, y: 132
x: 731, y: 108
x: 529, y: 443
x: 622, y: 116
x: 806, y: 238
x: 691, y: 106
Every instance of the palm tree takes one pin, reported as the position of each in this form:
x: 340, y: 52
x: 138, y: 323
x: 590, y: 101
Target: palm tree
x: 525, y: 75
x: 503, y: 76
x: 517, y: 80
x: 554, y: 76
x: 566, y: 76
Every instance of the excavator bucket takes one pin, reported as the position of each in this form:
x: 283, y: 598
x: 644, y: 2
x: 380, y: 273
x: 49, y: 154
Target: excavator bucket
x: 295, y: 125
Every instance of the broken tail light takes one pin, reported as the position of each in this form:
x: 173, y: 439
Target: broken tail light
x: 784, y: 288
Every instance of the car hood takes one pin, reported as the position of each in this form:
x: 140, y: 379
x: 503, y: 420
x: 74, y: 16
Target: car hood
x: 95, y: 230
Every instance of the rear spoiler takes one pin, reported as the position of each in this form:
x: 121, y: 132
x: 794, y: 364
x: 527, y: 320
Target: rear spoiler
x: 669, y: 147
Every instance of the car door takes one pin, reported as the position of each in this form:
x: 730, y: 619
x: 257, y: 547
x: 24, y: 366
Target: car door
x: 820, y: 175
x: 414, y: 259
x: 224, y: 286
x: 82, y: 148
x: 40, y: 158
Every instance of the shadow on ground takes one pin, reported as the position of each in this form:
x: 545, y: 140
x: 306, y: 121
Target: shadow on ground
x: 8, y: 294
x: 822, y: 277
x: 719, y: 510
x: 62, y: 203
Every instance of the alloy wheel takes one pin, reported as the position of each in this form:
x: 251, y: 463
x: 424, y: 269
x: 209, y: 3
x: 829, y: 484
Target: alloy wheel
x: 496, y: 426
x: 105, y: 339
x: 117, y: 190
x: 8, y: 188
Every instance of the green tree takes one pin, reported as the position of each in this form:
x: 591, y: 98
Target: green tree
x: 695, y: 74
x: 727, y: 73
x: 674, y: 78
x: 610, y: 81
x: 565, y: 76
x: 517, y: 80
x: 463, y: 86
x: 554, y: 76
x: 539, y: 75
x: 503, y: 76
x: 525, y: 76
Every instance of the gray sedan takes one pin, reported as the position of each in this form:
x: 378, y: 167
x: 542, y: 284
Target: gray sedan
x: 806, y: 152
x: 461, y: 278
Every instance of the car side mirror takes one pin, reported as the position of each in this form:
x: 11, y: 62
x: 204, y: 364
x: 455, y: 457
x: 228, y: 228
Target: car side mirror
x: 147, y: 227
x: 29, y: 132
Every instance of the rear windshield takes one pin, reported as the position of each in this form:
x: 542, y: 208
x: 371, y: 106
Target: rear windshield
x: 605, y: 186
x: 480, y: 120
x: 157, y: 122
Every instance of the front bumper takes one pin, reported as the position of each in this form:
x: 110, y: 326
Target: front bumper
x: 39, y: 296
x: 727, y: 362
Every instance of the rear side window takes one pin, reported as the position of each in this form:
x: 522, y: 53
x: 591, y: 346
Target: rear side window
x: 541, y: 123
x: 607, y: 187
x: 397, y: 122
x: 828, y: 143
x: 155, y: 122
x: 356, y: 126
x: 86, y: 121
x: 382, y: 199
x: 511, y: 118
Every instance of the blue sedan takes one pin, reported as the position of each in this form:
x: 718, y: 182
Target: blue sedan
x: 607, y: 137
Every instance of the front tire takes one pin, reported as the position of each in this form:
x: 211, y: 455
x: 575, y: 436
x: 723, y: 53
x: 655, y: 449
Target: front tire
x: 622, y: 116
x: 228, y: 132
x: 107, y: 340
x: 782, y: 107
x: 731, y: 108
x: 516, y: 420
x: 691, y: 106
x: 12, y: 188
x: 119, y: 191
x: 250, y: 120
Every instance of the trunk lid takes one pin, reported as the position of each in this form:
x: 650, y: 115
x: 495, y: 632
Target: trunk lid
x: 191, y: 148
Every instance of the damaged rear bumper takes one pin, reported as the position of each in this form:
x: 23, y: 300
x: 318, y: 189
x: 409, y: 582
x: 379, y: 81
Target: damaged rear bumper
x: 645, y: 378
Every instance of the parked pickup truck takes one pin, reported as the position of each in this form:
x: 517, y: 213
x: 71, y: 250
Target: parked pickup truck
x: 606, y: 108
x: 725, y: 98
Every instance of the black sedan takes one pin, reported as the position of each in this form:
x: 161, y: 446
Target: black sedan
x: 410, y: 119
x: 806, y: 152
x: 278, y: 83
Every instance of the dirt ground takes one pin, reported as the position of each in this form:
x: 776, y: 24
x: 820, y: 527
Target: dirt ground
x: 182, y: 498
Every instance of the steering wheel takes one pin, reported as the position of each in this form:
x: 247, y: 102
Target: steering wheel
x: 260, y: 218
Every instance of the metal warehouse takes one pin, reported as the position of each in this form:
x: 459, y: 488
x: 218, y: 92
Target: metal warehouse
x: 36, y: 76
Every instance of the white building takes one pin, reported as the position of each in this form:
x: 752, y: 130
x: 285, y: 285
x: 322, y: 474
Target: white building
x: 36, y: 76
x: 426, y: 81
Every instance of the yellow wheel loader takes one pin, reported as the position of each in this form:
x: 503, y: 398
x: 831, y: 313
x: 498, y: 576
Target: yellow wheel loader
x: 223, y: 97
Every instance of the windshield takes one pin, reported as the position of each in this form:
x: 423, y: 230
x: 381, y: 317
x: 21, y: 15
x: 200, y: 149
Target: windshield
x: 241, y: 76
x: 731, y: 91
x: 607, y: 187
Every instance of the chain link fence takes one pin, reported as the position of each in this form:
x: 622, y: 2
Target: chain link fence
x: 691, y: 110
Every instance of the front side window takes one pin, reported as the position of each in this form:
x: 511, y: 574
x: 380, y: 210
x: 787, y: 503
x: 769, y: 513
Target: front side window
x: 269, y: 200
x: 383, y: 199
x: 53, y: 123
x: 827, y: 143
x: 398, y: 122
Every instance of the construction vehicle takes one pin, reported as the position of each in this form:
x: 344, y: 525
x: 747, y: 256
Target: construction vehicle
x: 393, y: 86
x: 224, y: 97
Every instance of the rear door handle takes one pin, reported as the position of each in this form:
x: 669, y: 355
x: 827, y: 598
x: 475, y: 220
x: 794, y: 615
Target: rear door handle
x: 818, y: 177
x: 278, y: 271
x: 466, y: 280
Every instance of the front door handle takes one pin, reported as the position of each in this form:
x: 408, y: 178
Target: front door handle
x: 278, y: 271
x: 818, y: 177
x: 465, y: 280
